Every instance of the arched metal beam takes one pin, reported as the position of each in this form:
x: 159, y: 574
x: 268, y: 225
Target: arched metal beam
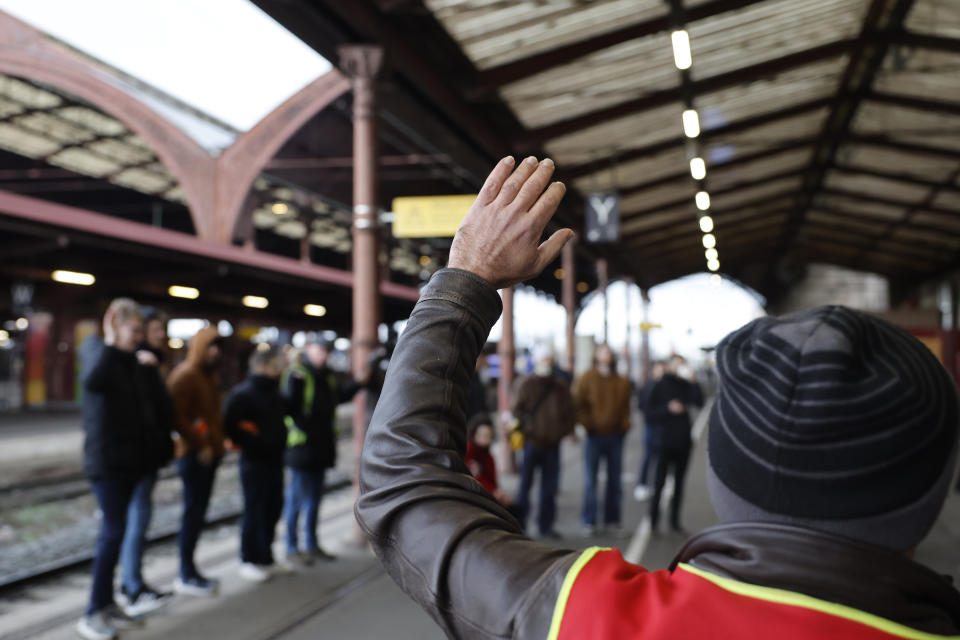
x: 27, y: 53
x: 242, y: 162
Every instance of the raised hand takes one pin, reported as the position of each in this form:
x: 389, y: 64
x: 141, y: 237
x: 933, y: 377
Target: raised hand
x: 499, y: 239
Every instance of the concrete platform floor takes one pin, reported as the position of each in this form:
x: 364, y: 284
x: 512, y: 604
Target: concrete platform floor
x: 352, y: 597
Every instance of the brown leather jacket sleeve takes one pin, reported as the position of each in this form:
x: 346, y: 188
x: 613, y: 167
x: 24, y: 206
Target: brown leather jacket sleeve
x: 439, y: 534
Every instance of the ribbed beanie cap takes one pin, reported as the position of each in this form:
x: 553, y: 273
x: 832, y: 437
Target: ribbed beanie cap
x: 832, y: 417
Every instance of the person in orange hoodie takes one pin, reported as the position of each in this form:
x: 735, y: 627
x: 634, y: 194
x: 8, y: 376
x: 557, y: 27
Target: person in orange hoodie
x: 196, y: 391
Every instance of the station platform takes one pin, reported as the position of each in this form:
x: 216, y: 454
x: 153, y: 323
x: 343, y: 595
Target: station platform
x: 353, y: 597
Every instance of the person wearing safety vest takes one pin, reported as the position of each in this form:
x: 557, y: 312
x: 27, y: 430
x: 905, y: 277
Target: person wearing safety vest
x: 313, y: 392
x: 832, y: 445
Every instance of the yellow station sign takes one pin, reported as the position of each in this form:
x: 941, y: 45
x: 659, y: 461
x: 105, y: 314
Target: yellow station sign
x: 429, y: 216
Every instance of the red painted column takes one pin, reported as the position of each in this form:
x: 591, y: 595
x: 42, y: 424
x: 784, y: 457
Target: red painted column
x: 507, y: 353
x: 570, y: 301
x: 603, y: 279
x: 361, y: 63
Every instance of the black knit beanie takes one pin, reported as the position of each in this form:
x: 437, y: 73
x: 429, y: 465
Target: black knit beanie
x: 834, y: 419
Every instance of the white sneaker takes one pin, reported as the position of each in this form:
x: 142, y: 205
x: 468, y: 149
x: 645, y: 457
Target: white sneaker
x: 146, y: 601
x: 254, y: 572
x: 281, y: 567
x: 196, y: 586
x: 119, y: 619
x: 642, y: 492
x: 96, y: 626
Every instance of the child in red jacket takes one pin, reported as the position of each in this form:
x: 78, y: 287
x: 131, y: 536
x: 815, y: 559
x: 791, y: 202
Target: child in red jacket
x: 478, y: 458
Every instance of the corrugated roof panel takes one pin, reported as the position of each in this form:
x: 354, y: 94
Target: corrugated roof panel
x: 786, y: 89
x: 95, y: 121
x: 54, y: 128
x: 637, y: 130
x: 935, y: 237
x: 27, y: 94
x: 639, y: 223
x: 85, y: 162
x: 769, y: 30
x: 771, y: 188
x: 948, y: 200
x: 142, y: 180
x: 121, y: 151
x: 773, y: 134
x: 895, y: 190
x: 615, y: 175
x: 823, y: 218
x: 658, y: 196
x: 9, y: 108
x: 594, y: 82
x: 951, y: 222
x: 19, y: 140
x: 722, y: 177
x: 909, y: 125
x: 722, y: 220
x: 913, y: 164
x: 494, y: 32
x: 263, y: 218
x: 938, y: 17
x: 922, y: 73
x: 859, y: 206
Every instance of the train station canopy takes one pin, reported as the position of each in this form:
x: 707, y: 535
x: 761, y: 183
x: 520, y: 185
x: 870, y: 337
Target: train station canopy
x: 829, y: 129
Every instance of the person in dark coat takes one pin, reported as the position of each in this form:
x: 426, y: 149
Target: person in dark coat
x: 644, y: 488
x: 136, y: 596
x: 545, y: 409
x: 117, y: 422
x: 312, y: 392
x: 668, y: 409
x: 254, y: 420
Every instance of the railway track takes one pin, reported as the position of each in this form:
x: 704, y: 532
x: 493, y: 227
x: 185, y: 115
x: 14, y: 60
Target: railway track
x: 44, y: 571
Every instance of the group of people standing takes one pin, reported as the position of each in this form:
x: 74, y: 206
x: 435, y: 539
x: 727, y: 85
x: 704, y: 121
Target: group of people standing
x: 137, y: 417
x: 547, y: 406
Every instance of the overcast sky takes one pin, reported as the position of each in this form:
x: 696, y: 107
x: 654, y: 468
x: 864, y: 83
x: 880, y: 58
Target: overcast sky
x: 224, y: 57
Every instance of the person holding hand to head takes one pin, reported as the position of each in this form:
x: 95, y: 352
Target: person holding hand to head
x: 832, y: 446
x: 116, y: 451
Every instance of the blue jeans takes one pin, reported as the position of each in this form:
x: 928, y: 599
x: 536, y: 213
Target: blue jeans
x: 262, y: 484
x: 113, y: 495
x: 608, y: 448
x: 197, y: 488
x: 304, y: 495
x: 547, y: 459
x: 138, y: 520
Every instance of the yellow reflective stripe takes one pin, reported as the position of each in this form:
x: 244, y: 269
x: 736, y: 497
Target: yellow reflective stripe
x: 782, y: 596
x: 571, y: 577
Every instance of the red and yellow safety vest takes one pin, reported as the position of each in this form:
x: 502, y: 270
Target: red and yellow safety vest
x: 605, y: 597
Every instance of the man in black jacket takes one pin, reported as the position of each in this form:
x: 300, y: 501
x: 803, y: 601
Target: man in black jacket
x: 136, y: 596
x: 118, y: 423
x: 668, y: 418
x: 312, y: 393
x: 253, y: 419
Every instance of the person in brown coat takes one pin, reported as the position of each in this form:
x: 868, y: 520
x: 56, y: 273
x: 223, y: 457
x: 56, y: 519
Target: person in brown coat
x: 545, y: 410
x: 602, y: 399
x: 196, y: 391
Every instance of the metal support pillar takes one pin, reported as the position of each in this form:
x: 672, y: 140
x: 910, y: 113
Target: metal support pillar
x: 305, y: 248
x: 507, y: 353
x: 570, y: 302
x: 361, y: 63
x: 603, y: 280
